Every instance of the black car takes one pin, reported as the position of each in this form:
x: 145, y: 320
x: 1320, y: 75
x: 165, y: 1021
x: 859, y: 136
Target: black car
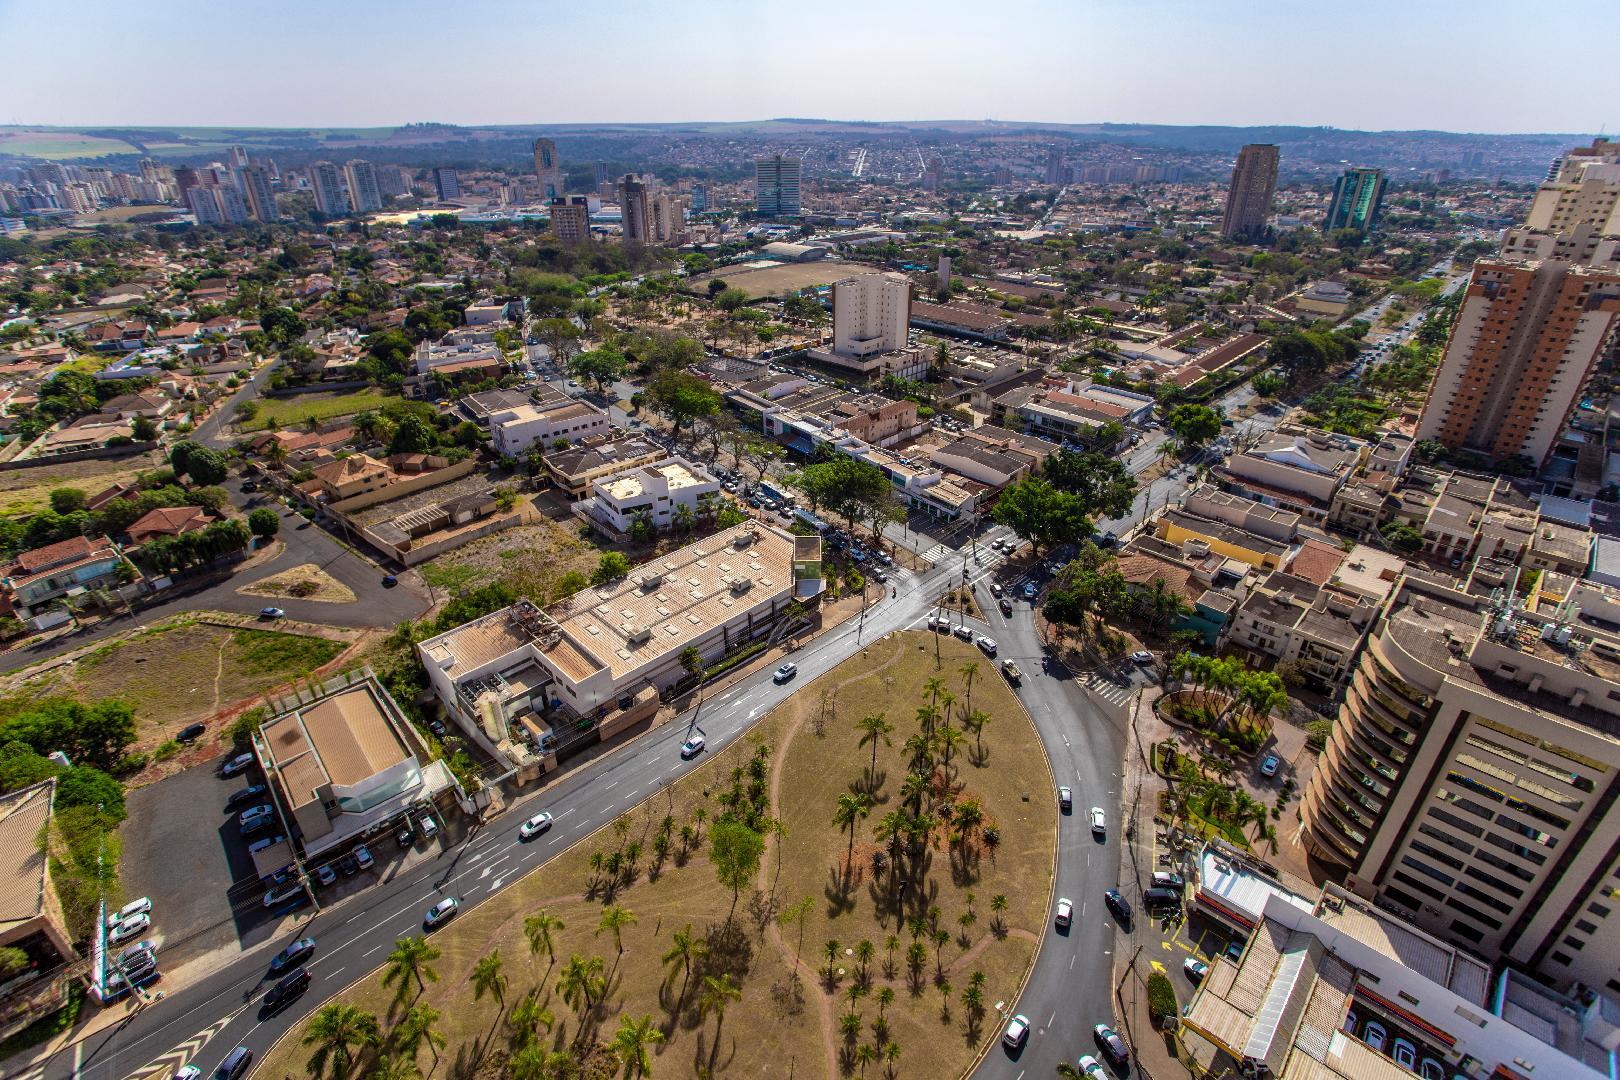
x: 287, y: 989
x: 348, y: 866
x: 1156, y: 898
x: 293, y: 955
x: 235, y: 1064
x: 1112, y: 1046
x: 1117, y: 903
x: 403, y: 836
x: 192, y: 733
x: 389, y: 581
x: 245, y: 795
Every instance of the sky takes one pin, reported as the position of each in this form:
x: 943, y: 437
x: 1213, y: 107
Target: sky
x: 1456, y: 65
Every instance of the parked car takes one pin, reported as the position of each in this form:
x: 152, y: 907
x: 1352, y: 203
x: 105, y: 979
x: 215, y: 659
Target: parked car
x: 264, y: 843
x: 440, y: 913
x: 1112, y: 1046
x: 1006, y: 606
x: 1099, y: 821
x: 348, y: 866
x: 245, y: 795
x: 986, y: 645
x: 363, y: 859
x: 271, y: 613
x: 1234, y: 950
x: 256, y: 816
x: 293, y: 955
x: 964, y: 632
x: 233, y: 766
x: 325, y: 875
x: 1269, y: 766
x: 142, y: 906
x: 1195, y: 969
x: 1142, y: 656
x: 1117, y: 903
x: 1157, y: 897
x: 287, y: 988
x: 1030, y: 590
x: 389, y: 581
x: 1091, y: 1068
x: 1017, y: 1031
x: 1065, y: 912
x: 235, y: 1065
x: 403, y: 835
x: 995, y: 588
x: 1165, y: 879
x: 693, y: 746
x: 289, y: 893
x: 132, y: 927
x: 191, y: 733
x: 536, y: 825
x: 1065, y: 799
x: 427, y: 826
x: 785, y: 672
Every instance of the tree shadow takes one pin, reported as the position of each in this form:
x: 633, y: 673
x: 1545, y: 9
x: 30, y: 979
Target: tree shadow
x: 838, y: 893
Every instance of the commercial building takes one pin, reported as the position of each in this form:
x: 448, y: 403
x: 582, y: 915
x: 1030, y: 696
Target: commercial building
x: 1576, y: 212
x: 665, y: 493
x: 364, y: 194
x: 871, y: 314
x: 700, y: 198
x: 1470, y: 780
x: 571, y: 218
x: 528, y: 683
x: 342, y: 762
x: 1358, y: 196
x: 548, y: 169
x: 1297, y: 469
x: 1339, y: 989
x: 447, y: 183
x: 1522, y: 346
x: 776, y: 186
x: 324, y: 179
x: 555, y: 416
x: 614, y: 451
x: 635, y: 215
x: 1254, y: 185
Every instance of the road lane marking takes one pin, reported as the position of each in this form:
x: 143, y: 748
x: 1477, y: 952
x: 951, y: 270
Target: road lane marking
x: 377, y: 948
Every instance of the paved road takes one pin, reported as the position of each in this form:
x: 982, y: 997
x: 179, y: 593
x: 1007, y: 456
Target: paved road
x: 207, y: 432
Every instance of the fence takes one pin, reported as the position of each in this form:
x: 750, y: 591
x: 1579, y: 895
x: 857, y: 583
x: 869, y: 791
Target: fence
x: 122, y: 450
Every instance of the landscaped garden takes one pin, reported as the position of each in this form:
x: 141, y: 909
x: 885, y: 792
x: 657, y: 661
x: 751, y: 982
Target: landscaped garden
x: 851, y: 890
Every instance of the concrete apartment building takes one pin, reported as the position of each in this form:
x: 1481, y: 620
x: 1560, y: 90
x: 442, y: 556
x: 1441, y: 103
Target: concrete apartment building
x: 1358, y: 196
x: 1470, y: 780
x: 326, y: 183
x: 635, y: 213
x: 1254, y: 185
x: 364, y: 194
x: 1524, y: 343
x: 571, y: 218
x: 1340, y: 989
x: 871, y: 314
x: 548, y: 169
x: 527, y: 682
x: 254, y: 181
x: 776, y: 186
x: 446, y: 183
x: 573, y: 470
x: 657, y: 492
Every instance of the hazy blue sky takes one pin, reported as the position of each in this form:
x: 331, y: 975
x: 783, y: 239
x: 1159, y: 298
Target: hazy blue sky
x: 1462, y: 65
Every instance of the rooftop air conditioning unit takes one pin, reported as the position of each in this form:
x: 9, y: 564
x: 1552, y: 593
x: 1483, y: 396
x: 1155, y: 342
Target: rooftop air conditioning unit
x: 651, y: 581
x: 636, y: 636
x: 740, y: 585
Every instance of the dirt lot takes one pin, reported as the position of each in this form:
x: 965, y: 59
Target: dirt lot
x: 176, y: 675
x: 23, y: 491
x: 530, y: 558
x: 776, y: 280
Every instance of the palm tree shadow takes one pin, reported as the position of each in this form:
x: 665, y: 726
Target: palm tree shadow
x: 837, y: 891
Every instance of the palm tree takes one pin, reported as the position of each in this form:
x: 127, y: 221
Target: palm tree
x: 417, y: 1027
x: 718, y: 992
x: 412, y: 959
x: 539, y: 928
x: 685, y: 950
x: 949, y: 740
x: 885, y: 998
x: 529, y: 1017
x: 395, y: 1067
x: 998, y: 907
x: 969, y: 671
x: 535, y: 1062
x: 865, y: 1054
x: 890, y: 944
x: 891, y: 1055
x: 631, y: 1041
x: 487, y: 977
x: 616, y: 918
x: 874, y: 728
x: 581, y: 980
x: 851, y: 809
x: 863, y: 953
x: 335, y: 1032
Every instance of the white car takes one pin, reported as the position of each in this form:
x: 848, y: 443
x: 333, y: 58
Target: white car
x: 785, y: 672
x: 1142, y: 656
x: 134, y: 926
x: 1091, y: 1068
x: 1099, y: 823
x: 1017, y: 1031
x: 987, y: 644
x: 134, y: 907
x: 1065, y: 911
x: 692, y: 747
x: 534, y: 826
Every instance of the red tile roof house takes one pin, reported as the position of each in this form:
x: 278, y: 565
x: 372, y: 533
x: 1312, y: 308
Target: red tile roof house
x: 40, y: 577
x: 167, y: 521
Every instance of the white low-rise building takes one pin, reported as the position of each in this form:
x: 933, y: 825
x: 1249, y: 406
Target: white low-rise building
x: 513, y: 431
x: 652, y: 491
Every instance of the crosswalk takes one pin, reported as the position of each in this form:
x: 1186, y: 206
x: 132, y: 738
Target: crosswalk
x: 1107, y: 689
x: 934, y: 554
x: 179, y: 1057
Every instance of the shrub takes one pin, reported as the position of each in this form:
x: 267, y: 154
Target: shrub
x: 1161, y: 996
x: 166, y: 750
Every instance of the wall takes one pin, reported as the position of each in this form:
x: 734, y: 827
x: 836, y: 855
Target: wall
x: 126, y: 450
x: 523, y: 514
x: 402, y: 488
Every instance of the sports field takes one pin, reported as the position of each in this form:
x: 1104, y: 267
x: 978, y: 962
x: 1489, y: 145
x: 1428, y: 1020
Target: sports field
x: 781, y: 277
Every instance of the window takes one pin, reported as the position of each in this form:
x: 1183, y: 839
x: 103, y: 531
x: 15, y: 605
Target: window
x: 1574, y: 942
x: 1468, y: 933
x: 1586, y: 927
x: 1473, y: 913
x: 1562, y: 958
x: 1598, y: 909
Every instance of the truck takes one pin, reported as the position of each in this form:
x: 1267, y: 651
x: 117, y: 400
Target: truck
x: 1011, y: 672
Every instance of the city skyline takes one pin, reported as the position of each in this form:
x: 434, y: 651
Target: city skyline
x: 1165, y: 63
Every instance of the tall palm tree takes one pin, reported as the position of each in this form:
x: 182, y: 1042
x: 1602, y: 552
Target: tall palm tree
x: 487, y: 977
x: 685, y: 950
x: 949, y: 740
x: 395, y: 1067
x: 874, y: 728
x: 418, y: 1026
x: 865, y: 1054
x: 336, y: 1032
x: 969, y: 671
x: 529, y: 1017
x: 891, y: 1055
x: 581, y: 980
x: 849, y: 811
x: 933, y: 688
x: 412, y: 959
x: 540, y: 929
x: 631, y: 1041
x: 718, y: 992
x: 616, y: 918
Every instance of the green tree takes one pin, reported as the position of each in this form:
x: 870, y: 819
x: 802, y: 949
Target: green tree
x: 413, y: 435
x: 1194, y: 425
x: 264, y: 522
x: 850, y: 809
x: 336, y: 1031
x: 541, y: 929
x: 65, y: 500
x: 735, y: 850
x: 419, y: 1025
x: 411, y: 960
x: 615, y: 918
x: 1103, y: 484
x: 682, y: 398
x: 610, y: 567
x: 581, y: 984
x: 685, y: 949
x: 487, y: 977
x: 1041, y: 514
x: 718, y: 992
x: 874, y: 728
x: 601, y: 366
x: 632, y: 1041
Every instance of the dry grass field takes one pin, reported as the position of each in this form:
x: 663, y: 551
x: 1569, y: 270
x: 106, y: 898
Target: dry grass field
x: 779, y: 279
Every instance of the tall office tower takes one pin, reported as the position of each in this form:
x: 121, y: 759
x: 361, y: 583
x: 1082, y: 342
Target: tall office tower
x: 1522, y: 346
x: 364, y: 194
x: 261, y: 198
x: 871, y: 313
x: 571, y: 218
x: 668, y: 216
x: 1470, y: 781
x: 446, y: 183
x: 635, y: 214
x: 329, y: 197
x: 239, y: 157
x: 548, y: 169
x: 700, y: 198
x: 602, y: 176
x: 1056, y: 173
x: 1254, y: 184
x: 776, y: 185
x: 1358, y: 195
